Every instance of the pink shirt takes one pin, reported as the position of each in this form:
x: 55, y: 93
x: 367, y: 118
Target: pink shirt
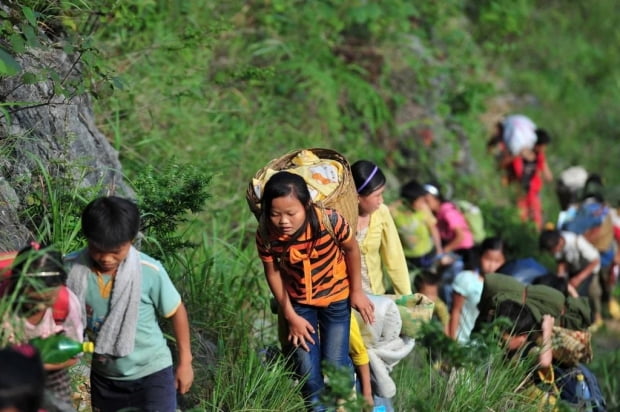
x: 72, y: 326
x: 449, y: 218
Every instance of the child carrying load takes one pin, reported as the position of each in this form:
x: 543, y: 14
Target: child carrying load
x: 314, y: 276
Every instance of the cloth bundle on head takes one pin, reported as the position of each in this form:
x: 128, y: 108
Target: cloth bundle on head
x: 384, y: 343
x: 118, y: 332
x: 519, y: 133
x: 574, y: 177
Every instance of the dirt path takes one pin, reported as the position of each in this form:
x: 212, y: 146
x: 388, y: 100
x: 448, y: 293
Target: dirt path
x: 608, y: 338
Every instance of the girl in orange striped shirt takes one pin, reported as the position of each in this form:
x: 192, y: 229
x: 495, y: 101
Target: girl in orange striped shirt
x: 314, y: 273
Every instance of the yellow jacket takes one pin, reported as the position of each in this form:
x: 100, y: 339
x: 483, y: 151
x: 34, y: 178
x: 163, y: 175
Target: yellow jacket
x: 381, y: 248
x: 357, y: 349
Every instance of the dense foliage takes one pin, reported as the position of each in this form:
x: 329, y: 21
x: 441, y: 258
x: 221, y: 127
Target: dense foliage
x: 223, y: 87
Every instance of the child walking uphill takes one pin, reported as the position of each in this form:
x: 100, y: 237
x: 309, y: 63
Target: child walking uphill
x: 123, y: 291
x: 376, y: 234
x: 417, y: 227
x: 314, y: 276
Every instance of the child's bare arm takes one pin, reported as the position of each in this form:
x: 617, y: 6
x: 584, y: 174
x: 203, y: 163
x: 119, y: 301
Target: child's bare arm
x: 364, y: 374
x: 458, y: 301
x: 546, y: 172
x: 459, y: 234
x: 546, y: 352
x: 184, y: 376
x: 59, y: 366
x: 436, y: 239
x: 583, y: 275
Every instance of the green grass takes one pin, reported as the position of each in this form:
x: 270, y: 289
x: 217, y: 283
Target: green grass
x: 223, y: 87
x: 489, y: 385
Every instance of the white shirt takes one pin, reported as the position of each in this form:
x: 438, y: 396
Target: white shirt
x: 577, y: 252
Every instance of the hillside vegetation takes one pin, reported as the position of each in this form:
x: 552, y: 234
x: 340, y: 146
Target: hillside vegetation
x: 198, y: 95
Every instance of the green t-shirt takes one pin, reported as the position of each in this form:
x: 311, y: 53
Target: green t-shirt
x: 159, y: 297
x: 413, y: 230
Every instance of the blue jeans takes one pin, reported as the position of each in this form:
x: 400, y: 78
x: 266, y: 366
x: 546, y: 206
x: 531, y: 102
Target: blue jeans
x: 447, y: 278
x: 332, y: 324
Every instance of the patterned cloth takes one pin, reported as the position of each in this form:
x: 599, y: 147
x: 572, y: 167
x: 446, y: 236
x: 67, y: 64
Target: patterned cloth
x: 59, y: 383
x: 415, y: 310
x: 571, y: 347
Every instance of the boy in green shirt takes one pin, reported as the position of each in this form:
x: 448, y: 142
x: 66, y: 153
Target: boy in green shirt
x: 123, y: 292
x: 417, y: 227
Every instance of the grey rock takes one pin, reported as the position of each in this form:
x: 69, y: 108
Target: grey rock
x: 46, y: 133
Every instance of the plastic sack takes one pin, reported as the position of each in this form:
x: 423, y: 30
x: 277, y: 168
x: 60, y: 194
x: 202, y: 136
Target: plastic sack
x: 519, y: 133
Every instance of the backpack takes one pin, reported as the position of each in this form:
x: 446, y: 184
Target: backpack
x: 474, y: 218
x: 587, y: 216
x: 60, y: 308
x: 568, y: 383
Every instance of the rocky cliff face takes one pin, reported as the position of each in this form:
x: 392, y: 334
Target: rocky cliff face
x: 44, y: 133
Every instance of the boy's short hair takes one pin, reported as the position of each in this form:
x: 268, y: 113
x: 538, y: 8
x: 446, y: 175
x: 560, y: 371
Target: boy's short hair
x: 549, y: 239
x: 108, y: 222
x: 412, y: 191
x: 425, y: 277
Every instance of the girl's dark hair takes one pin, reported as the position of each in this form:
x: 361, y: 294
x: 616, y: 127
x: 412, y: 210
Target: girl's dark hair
x: 412, y: 190
x: 22, y: 379
x: 43, y: 267
x: 523, y: 320
x: 542, y: 136
x: 425, y: 277
x: 367, y: 176
x: 108, y: 222
x: 284, y: 184
x: 594, y: 188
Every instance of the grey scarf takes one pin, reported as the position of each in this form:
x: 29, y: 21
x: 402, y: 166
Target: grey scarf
x: 118, y: 332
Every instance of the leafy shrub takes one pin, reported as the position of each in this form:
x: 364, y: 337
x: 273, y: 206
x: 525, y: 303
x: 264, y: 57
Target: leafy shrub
x: 166, y: 196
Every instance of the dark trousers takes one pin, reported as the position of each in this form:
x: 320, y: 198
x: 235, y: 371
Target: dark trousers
x: 153, y: 393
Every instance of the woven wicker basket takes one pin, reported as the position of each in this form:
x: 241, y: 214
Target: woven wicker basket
x: 343, y: 198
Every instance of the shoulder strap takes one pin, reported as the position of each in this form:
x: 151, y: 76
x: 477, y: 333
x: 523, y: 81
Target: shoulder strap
x: 329, y: 221
x: 60, y: 309
x: 263, y: 232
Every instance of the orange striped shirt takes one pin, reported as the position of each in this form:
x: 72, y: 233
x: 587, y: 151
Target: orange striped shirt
x: 317, y: 277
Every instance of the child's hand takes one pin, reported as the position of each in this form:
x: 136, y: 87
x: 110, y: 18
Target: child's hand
x: 446, y: 260
x: 184, y: 377
x: 361, y: 303
x: 58, y: 366
x: 370, y: 402
x: 300, y: 332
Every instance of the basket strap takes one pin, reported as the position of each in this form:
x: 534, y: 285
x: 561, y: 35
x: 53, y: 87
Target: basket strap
x: 327, y: 222
x: 263, y: 233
